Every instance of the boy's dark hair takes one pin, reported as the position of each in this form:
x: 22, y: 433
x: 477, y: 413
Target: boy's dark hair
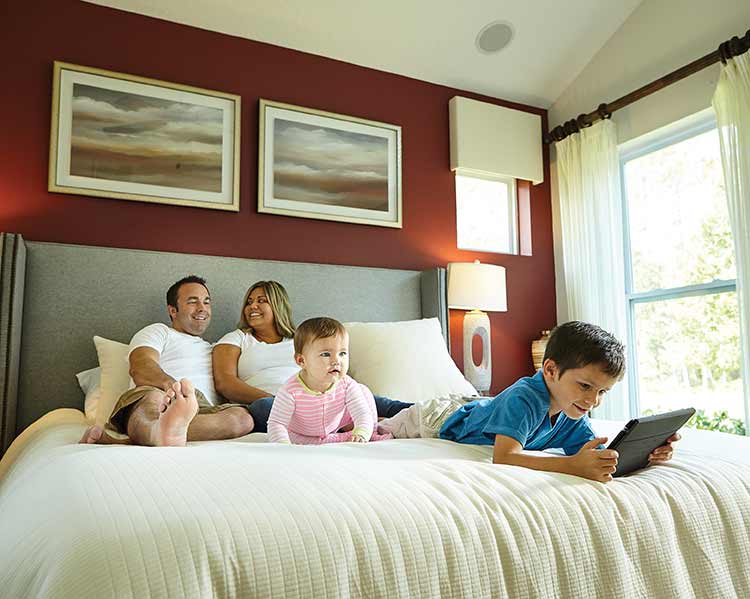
x: 576, y: 344
x: 174, y: 289
x: 316, y: 328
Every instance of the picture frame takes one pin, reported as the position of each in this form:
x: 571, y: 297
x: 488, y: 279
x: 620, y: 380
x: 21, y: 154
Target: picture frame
x: 322, y: 165
x: 121, y: 136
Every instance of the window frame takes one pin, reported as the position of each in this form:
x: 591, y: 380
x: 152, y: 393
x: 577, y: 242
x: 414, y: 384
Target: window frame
x: 700, y: 123
x: 513, y: 223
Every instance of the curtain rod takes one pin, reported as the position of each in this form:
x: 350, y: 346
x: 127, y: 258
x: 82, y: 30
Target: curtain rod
x: 727, y: 50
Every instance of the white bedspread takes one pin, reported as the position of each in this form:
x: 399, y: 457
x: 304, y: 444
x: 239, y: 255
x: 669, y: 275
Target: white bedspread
x: 406, y: 518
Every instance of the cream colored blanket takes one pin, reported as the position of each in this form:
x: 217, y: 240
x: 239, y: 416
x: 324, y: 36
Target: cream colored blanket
x: 405, y: 518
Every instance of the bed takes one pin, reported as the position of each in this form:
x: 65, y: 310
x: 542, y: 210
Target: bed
x: 243, y: 518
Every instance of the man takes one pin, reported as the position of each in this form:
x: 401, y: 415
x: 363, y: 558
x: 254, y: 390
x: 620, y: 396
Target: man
x: 173, y: 399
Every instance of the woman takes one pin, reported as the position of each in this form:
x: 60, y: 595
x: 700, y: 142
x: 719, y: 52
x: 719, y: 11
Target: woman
x: 253, y: 361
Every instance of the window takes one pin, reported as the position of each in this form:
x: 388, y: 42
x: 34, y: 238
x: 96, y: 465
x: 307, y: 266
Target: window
x: 486, y: 218
x: 682, y: 307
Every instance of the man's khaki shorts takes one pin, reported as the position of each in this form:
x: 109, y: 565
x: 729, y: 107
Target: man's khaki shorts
x: 124, y: 406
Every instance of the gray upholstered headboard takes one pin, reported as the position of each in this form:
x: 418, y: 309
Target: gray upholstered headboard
x: 66, y: 294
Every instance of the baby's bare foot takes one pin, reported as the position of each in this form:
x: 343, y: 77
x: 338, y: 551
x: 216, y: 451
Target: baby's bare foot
x: 176, y: 415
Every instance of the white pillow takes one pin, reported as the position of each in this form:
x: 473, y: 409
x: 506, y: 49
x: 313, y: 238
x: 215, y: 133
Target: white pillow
x: 115, y: 380
x: 407, y: 360
x: 89, y: 382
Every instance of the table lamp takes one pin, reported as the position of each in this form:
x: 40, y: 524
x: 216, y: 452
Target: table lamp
x: 475, y: 286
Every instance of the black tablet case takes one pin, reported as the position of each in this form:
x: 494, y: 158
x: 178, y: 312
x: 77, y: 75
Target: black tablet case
x: 642, y: 435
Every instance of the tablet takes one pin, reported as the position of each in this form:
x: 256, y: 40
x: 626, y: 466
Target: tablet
x: 642, y: 435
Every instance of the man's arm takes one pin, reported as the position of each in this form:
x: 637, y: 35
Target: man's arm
x: 145, y: 369
x: 589, y: 462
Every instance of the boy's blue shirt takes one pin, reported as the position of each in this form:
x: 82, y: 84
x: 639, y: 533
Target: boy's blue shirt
x: 520, y: 412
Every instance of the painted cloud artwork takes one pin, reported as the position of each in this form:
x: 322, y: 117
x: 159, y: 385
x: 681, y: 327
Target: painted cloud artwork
x: 320, y: 165
x: 132, y: 138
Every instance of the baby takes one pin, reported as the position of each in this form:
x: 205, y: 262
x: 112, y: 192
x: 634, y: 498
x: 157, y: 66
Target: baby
x: 320, y: 399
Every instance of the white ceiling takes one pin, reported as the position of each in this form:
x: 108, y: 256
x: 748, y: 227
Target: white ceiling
x: 431, y: 40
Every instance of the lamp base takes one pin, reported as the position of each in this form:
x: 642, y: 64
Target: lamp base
x: 477, y: 322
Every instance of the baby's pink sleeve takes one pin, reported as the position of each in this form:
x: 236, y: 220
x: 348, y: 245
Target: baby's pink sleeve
x: 280, y: 417
x: 361, y: 405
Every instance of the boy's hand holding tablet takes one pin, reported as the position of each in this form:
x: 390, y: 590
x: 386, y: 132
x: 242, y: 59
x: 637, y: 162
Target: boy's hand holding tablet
x: 594, y: 463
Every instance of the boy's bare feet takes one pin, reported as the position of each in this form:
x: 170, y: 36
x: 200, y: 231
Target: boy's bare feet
x: 176, y: 414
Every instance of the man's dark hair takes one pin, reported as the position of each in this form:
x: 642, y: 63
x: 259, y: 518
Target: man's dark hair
x: 174, y: 289
x: 576, y: 344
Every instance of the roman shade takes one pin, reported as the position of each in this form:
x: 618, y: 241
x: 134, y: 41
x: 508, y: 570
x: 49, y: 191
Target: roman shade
x: 494, y: 141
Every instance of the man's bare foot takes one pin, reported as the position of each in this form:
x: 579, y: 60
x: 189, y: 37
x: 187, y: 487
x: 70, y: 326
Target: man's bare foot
x: 176, y: 414
x: 96, y: 435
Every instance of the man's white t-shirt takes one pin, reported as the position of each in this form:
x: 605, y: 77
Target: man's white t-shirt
x: 181, y: 356
x: 263, y: 365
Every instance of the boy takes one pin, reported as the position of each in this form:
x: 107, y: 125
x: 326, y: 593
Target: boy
x: 582, y: 362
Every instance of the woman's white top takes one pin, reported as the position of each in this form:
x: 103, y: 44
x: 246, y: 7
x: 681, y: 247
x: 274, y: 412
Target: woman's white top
x: 263, y: 365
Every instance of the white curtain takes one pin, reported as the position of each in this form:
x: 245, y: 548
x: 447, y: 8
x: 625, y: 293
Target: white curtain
x: 732, y: 105
x: 591, y: 222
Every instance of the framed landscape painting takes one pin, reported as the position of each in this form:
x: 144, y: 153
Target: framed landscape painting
x: 316, y: 164
x: 121, y: 136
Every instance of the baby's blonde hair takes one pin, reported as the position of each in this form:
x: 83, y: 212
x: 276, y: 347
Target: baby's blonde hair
x: 316, y: 328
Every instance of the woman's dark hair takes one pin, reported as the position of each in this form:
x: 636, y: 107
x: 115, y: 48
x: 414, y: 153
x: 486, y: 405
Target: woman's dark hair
x: 576, y: 344
x: 175, y: 289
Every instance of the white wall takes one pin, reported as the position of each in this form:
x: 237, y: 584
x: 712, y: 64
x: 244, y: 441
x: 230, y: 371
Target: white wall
x: 659, y: 37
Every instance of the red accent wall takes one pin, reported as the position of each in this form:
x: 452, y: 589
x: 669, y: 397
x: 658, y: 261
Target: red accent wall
x: 34, y: 34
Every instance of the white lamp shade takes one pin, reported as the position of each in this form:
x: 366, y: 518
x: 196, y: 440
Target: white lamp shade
x: 477, y: 286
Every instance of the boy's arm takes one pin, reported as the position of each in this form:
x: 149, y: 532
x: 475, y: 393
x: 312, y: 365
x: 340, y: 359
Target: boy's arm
x: 589, y: 462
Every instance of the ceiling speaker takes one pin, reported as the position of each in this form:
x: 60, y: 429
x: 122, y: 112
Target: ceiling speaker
x: 494, y: 37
